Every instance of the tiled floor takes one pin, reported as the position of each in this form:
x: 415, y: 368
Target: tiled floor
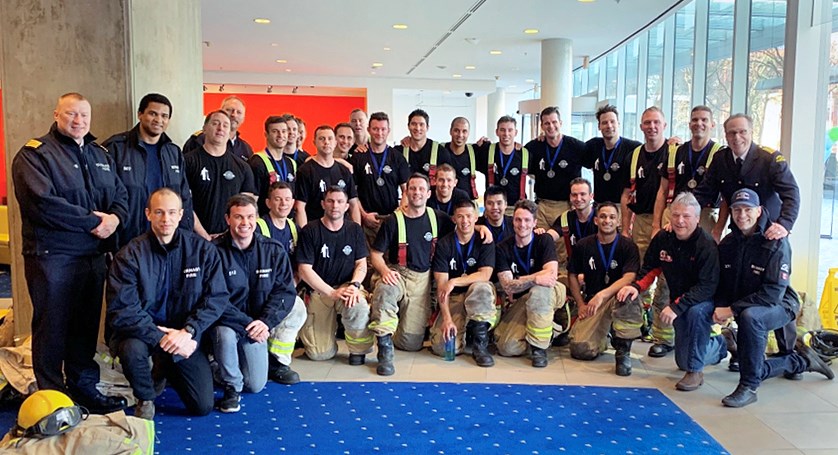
x: 789, y: 418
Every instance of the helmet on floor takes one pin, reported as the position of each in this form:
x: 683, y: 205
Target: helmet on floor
x: 824, y: 342
x: 47, y: 413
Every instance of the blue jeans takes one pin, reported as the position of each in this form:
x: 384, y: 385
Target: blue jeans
x: 242, y: 363
x: 754, y: 324
x: 694, y: 347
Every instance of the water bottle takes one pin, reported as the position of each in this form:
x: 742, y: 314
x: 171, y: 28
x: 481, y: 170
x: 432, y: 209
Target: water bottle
x: 450, y: 345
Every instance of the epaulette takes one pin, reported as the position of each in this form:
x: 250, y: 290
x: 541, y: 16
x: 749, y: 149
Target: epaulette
x: 767, y: 149
x: 197, y: 133
x: 102, y: 147
x: 34, y: 144
x: 778, y: 156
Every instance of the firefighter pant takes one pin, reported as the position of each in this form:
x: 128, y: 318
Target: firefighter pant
x: 403, y: 309
x: 529, y: 320
x: 477, y: 304
x: 548, y: 211
x: 588, y: 336
x: 641, y: 234
x: 318, y: 332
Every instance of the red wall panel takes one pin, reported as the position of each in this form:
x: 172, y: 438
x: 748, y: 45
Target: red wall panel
x: 314, y: 110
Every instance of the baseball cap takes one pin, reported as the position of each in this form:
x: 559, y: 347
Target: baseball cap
x: 745, y: 198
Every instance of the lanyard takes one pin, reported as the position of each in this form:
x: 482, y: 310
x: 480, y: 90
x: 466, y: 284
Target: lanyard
x: 463, y: 259
x: 607, y: 163
x: 508, y: 163
x: 607, y: 263
x: 557, y: 151
x: 283, y: 173
x: 379, y: 167
x: 579, y: 227
x: 694, y: 164
x: 525, y: 266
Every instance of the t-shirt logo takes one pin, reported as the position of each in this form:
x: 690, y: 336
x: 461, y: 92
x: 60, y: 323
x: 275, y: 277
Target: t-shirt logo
x: 322, y: 186
x: 229, y: 175
x: 453, y: 264
x: 514, y: 268
x: 426, y: 167
x: 387, y: 169
x: 470, y: 262
x: 324, y: 251
x: 367, y: 169
x: 613, y: 264
x: 514, y: 171
x: 341, y: 183
x: 205, y: 175
x: 665, y: 257
x: 347, y: 250
x: 591, y: 263
x: 428, y: 237
x: 641, y: 173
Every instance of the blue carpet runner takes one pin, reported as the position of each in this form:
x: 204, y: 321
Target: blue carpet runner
x: 433, y: 418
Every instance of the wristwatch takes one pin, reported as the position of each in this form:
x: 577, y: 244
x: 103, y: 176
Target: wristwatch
x: 357, y: 284
x: 190, y: 330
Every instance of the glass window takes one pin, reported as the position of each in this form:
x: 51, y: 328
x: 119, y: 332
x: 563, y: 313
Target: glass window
x: 629, y: 119
x: 719, y: 61
x: 593, y: 77
x: 578, y: 75
x: 683, y: 72
x: 654, y: 67
x: 765, y: 69
x: 611, y: 75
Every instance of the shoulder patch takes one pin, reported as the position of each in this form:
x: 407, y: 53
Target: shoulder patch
x: 34, y: 143
x: 198, y: 133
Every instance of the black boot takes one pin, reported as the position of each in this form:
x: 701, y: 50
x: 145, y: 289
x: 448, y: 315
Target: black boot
x: 730, y: 339
x: 385, y: 356
x: 480, y: 348
x: 539, y: 357
x: 623, y: 356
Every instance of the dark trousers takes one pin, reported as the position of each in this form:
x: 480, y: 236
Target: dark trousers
x: 754, y: 324
x: 191, y: 378
x: 694, y: 347
x: 66, y: 294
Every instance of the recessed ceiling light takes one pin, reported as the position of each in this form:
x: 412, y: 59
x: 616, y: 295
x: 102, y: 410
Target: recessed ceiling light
x: 288, y: 70
x: 377, y: 65
x: 531, y: 31
x: 471, y: 67
x: 530, y: 81
x: 586, y: 1
x: 495, y: 52
x: 386, y: 48
x: 282, y: 61
x: 262, y: 20
x: 456, y: 76
x: 400, y: 26
x: 274, y: 44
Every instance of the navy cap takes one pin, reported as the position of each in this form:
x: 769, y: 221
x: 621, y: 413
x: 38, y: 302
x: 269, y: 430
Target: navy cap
x: 745, y: 198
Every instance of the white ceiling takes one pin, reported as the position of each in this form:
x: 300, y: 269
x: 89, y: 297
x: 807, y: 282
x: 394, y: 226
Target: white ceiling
x: 344, y: 38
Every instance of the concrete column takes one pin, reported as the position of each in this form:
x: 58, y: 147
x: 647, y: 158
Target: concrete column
x: 805, y: 80
x: 557, y: 75
x: 110, y: 51
x: 496, y: 108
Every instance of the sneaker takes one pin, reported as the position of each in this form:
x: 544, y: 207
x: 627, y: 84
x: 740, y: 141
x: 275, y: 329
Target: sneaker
x: 230, y: 402
x: 144, y: 409
x: 742, y: 396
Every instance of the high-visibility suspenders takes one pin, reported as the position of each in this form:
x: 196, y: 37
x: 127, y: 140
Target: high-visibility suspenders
x: 434, y: 157
x: 266, y: 231
x: 273, y: 173
x: 402, y: 234
x: 525, y: 165
x: 472, y: 167
x: 565, y: 226
x: 670, y: 168
x: 635, y: 155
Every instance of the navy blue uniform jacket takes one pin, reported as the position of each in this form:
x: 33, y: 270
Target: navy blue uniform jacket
x: 172, y: 285
x: 260, y: 282
x: 58, y: 185
x: 130, y: 159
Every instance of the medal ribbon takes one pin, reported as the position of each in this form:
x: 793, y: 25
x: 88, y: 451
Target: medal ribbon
x: 607, y: 163
x: 579, y: 227
x: 694, y: 163
x: 379, y: 168
x: 282, y: 171
x: 526, y: 265
x: 508, y: 163
x: 605, y: 262
x: 463, y: 259
x: 557, y: 152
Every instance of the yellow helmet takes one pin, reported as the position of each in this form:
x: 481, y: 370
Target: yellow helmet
x: 47, y: 413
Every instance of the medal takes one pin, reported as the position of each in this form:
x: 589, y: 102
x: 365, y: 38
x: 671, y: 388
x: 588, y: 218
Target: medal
x: 506, y: 166
x: 607, y: 261
x: 379, y: 168
x: 607, y: 279
x: 504, y: 181
x: 551, y: 174
x: 606, y: 176
x: 379, y: 181
x: 692, y: 184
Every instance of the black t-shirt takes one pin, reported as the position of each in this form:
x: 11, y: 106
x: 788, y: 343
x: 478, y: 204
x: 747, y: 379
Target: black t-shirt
x: 418, y: 236
x: 420, y: 160
x: 614, y: 162
x: 213, y: 180
x: 462, y: 163
x: 457, y: 196
x: 300, y: 156
x: 527, y: 260
x: 332, y: 255
x: 689, y: 165
x: 283, y: 170
x: 466, y: 260
x: 567, y: 161
x: 503, y: 170
x: 502, y: 232
x: 368, y: 168
x: 575, y: 229
x: 647, y: 179
x: 313, y: 180
x: 587, y: 260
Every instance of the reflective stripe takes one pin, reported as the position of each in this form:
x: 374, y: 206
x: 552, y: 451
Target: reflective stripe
x: 540, y: 333
x: 280, y: 347
x: 472, y: 166
x: 263, y: 227
x: 565, y: 227
x: 402, y: 234
x: 491, y: 173
x: 715, y: 148
x: 272, y: 172
x: 434, y: 153
x: 673, y: 152
x: 391, y: 324
x: 149, y: 425
x: 351, y: 340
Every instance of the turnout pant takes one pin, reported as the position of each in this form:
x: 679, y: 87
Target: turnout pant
x: 403, y: 309
x: 694, y: 347
x: 191, y: 377
x: 243, y: 363
x: 588, y: 336
x: 318, y: 332
x: 642, y: 235
x: 548, y: 211
x: 476, y: 304
x: 66, y: 293
x: 754, y: 324
x: 529, y: 320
